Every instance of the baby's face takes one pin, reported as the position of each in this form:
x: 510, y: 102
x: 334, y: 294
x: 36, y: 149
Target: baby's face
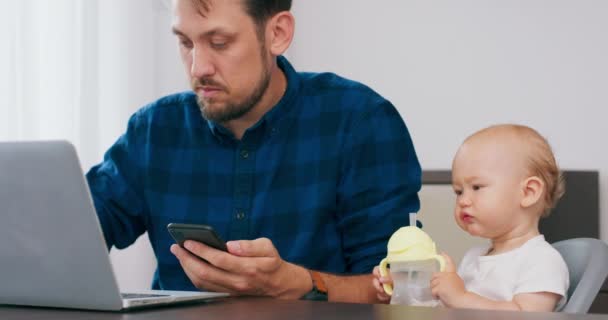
x: 487, y: 177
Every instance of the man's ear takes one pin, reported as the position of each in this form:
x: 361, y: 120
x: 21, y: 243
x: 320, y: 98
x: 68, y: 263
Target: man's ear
x: 279, y: 32
x: 533, y: 189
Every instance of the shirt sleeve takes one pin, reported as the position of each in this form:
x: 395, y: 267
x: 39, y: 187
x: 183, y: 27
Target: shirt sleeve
x: 378, y: 187
x: 467, y: 259
x: 544, y: 271
x: 116, y: 195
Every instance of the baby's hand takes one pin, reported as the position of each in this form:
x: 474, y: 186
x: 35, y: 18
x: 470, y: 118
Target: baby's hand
x: 447, y: 285
x: 378, y: 282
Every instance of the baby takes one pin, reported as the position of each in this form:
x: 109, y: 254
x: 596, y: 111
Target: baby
x: 505, y: 179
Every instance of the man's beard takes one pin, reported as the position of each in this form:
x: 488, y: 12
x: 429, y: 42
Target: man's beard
x: 233, y: 111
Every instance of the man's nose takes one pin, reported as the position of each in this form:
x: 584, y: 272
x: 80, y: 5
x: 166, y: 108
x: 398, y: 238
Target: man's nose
x: 202, y: 64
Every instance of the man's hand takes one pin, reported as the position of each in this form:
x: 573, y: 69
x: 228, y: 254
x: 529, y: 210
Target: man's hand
x: 447, y: 285
x: 249, y: 268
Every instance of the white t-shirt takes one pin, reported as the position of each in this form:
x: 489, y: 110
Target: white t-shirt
x: 534, y: 267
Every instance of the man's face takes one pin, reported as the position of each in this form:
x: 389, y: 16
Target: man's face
x: 225, y: 58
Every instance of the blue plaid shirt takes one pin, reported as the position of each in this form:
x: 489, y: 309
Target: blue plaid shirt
x: 328, y: 175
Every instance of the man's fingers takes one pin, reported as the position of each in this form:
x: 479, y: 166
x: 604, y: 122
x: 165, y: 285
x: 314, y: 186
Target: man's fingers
x: 245, y: 269
x: 217, y: 258
x: 205, y: 275
x: 202, y: 284
x: 261, y: 247
x: 179, y: 252
x: 202, y: 250
x: 246, y: 266
x: 193, y: 266
x: 185, y: 260
x: 212, y: 277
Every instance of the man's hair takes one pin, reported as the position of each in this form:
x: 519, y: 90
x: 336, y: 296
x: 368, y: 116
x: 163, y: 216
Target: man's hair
x: 259, y: 10
x: 540, y: 162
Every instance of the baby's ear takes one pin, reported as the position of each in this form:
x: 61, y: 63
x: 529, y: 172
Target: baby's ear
x: 532, y: 190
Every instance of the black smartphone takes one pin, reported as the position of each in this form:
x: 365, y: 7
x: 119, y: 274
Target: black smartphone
x: 197, y: 232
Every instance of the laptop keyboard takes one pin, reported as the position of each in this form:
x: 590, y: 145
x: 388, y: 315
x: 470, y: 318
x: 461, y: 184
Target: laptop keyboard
x: 141, y: 295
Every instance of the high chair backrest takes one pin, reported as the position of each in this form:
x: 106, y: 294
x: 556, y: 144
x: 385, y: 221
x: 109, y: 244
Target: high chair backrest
x: 587, y: 261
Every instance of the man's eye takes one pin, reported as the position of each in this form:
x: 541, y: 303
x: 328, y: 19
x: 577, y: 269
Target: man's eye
x: 219, y: 44
x: 186, y: 44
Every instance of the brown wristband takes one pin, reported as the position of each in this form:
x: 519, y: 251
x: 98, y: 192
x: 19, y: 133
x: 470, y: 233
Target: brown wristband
x: 319, y: 289
x: 317, y: 281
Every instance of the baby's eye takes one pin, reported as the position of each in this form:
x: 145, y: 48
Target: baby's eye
x: 476, y: 187
x: 458, y: 192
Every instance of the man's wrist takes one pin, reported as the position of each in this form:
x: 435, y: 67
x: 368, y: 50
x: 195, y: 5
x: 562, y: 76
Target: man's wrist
x: 319, y: 288
x: 295, y: 282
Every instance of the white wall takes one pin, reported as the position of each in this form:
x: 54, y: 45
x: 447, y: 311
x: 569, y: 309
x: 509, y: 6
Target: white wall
x: 452, y: 67
x: 138, y: 63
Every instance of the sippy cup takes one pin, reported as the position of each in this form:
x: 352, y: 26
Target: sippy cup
x: 413, y: 259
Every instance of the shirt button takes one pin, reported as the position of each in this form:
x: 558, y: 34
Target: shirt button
x: 244, y: 154
x: 240, y: 215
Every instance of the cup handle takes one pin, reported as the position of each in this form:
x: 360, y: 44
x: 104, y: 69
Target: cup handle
x: 384, y: 272
x: 441, y: 261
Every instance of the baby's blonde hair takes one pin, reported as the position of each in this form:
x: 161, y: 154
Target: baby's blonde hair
x: 541, y: 161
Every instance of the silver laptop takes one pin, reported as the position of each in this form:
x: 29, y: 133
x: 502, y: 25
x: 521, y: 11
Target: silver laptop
x: 52, y: 250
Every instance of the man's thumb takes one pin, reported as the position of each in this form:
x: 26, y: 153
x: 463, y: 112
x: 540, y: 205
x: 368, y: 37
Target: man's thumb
x: 261, y: 247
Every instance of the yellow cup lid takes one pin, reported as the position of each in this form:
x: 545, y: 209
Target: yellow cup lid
x: 410, y: 243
